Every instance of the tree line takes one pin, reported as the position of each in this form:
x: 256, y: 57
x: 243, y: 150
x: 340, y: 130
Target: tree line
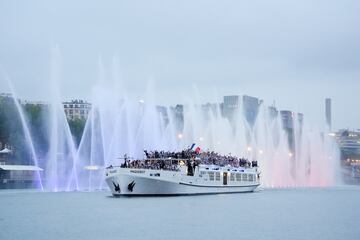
x: 12, y: 134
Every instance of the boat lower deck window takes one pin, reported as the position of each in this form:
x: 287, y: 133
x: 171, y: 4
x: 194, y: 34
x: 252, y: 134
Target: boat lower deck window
x: 232, y: 177
x: 211, y: 176
x: 238, y: 177
x: 217, y: 176
x: 251, y: 177
x: 244, y: 177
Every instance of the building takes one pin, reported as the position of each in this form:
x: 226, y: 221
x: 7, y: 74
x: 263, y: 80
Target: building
x: 292, y: 121
x: 77, y: 109
x: 35, y: 103
x: 251, y: 109
x: 16, y: 176
x: 5, y: 95
x: 272, y: 113
x: 287, y: 118
x: 230, y: 105
x: 328, y: 112
x: 349, y: 145
x: 6, y: 156
x: 6, y: 98
x: 178, y: 116
x: 210, y: 108
x: 163, y: 114
x: 300, y: 122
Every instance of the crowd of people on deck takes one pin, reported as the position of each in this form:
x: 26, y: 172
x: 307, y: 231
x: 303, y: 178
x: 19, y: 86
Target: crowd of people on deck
x: 155, y: 164
x: 184, y: 154
x: 211, y: 157
x: 155, y: 160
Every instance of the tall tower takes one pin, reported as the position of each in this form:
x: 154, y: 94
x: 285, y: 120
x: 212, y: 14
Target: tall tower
x: 328, y: 112
x: 250, y: 109
x: 231, y: 104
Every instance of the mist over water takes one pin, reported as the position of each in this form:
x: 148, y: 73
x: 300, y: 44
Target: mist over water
x: 118, y: 125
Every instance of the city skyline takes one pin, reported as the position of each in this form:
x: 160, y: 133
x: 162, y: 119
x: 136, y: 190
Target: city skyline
x: 296, y: 54
x: 175, y: 119
x: 271, y: 107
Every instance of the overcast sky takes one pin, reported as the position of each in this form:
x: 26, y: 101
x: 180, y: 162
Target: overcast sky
x: 295, y: 53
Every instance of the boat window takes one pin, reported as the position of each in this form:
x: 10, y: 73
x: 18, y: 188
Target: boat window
x: 251, y: 177
x: 217, y: 176
x: 238, y: 177
x: 232, y: 177
x: 244, y: 177
x: 211, y: 176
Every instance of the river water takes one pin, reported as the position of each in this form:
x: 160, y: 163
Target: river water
x: 302, y: 213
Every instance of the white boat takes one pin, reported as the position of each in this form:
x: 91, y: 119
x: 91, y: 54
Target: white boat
x: 183, y: 178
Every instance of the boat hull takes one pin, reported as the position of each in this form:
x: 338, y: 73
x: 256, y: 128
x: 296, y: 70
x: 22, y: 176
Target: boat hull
x: 134, y: 185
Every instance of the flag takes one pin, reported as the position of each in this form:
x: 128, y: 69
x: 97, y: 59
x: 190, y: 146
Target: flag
x: 192, y: 146
x: 197, y: 150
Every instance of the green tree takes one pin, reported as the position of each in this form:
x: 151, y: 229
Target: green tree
x: 11, y: 131
x: 36, y: 119
x: 77, y: 126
